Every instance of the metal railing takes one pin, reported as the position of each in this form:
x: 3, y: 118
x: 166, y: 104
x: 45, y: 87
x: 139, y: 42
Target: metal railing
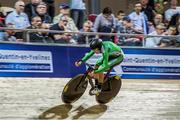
x: 144, y: 37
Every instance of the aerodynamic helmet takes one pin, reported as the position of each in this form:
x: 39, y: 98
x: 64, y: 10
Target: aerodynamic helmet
x: 96, y: 43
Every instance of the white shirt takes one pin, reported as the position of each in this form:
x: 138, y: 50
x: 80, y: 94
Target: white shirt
x: 20, y: 21
x: 152, y: 41
x: 138, y: 21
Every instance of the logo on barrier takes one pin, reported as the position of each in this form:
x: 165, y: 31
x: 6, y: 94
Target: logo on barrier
x: 25, y: 61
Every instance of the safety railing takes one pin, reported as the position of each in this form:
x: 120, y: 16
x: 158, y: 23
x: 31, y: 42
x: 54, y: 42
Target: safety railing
x: 119, y: 38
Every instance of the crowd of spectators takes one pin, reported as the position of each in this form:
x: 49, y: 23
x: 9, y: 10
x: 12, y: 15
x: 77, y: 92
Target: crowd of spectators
x: 149, y: 17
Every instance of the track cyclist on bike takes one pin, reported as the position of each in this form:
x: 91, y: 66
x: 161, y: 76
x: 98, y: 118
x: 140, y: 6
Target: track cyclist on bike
x: 111, y: 55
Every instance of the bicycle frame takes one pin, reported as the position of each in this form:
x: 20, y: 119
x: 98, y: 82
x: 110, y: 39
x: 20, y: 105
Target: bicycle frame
x: 90, y: 69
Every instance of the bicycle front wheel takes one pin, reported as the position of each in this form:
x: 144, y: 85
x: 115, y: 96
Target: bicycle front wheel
x: 74, y: 89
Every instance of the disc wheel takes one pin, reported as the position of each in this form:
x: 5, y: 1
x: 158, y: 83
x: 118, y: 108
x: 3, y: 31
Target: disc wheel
x: 74, y: 89
x: 109, y: 90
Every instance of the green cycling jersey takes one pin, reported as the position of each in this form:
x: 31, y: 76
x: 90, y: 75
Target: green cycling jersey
x: 108, y: 49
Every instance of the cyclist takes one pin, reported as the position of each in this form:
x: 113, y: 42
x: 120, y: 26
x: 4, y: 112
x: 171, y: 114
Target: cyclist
x: 111, y: 55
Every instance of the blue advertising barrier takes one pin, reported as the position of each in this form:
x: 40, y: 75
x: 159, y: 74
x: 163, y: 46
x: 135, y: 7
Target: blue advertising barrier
x: 25, y: 60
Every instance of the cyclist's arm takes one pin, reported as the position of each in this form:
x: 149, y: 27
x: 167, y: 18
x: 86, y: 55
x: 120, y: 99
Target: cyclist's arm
x: 87, y: 56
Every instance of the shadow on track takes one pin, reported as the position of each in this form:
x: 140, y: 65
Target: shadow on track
x: 64, y: 111
x: 58, y: 112
x: 92, y: 112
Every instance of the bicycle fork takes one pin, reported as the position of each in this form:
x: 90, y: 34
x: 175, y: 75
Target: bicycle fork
x: 80, y: 82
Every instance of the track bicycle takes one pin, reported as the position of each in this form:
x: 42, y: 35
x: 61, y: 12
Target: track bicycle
x: 76, y: 87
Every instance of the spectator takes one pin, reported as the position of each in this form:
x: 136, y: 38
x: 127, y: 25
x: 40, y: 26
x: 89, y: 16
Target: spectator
x: 105, y: 19
x: 42, y: 12
x: 65, y: 11
x: 169, y: 42
x: 36, y: 22
x: 172, y: 10
x: 85, y: 39
x: 159, y: 6
x: 18, y: 18
x: 5, y: 11
x: 78, y: 10
x: 92, y: 17
x: 10, y: 34
x: 157, y: 20
x: 171, y: 31
x: 2, y: 18
x: 178, y: 29
x: 148, y: 11
x: 50, y: 7
x: 139, y: 19
x: 175, y: 20
x: 128, y: 29
x: 153, y: 3
x: 105, y: 22
x: 154, y: 41
x: 1, y: 21
x: 1, y: 31
x: 40, y: 37
x: 61, y: 26
x: 119, y: 19
x: 30, y: 8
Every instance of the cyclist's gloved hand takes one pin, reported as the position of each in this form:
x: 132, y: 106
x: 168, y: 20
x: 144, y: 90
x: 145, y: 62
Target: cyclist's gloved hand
x: 78, y: 63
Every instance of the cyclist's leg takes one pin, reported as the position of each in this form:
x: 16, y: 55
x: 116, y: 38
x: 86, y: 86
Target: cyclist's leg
x: 98, y: 83
x: 99, y: 76
x: 112, y: 62
x: 115, y: 61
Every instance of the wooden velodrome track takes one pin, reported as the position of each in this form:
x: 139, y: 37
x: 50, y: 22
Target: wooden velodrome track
x: 39, y: 98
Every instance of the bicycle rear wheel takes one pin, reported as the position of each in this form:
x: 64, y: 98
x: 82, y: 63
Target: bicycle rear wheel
x: 74, y: 89
x: 109, y: 90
